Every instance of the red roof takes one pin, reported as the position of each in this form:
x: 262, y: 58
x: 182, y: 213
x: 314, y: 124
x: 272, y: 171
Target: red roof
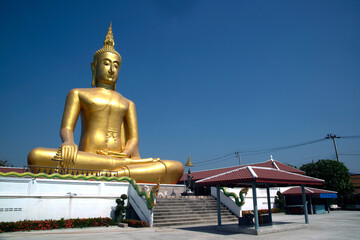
x: 249, y: 174
x: 308, y: 191
x: 268, y: 164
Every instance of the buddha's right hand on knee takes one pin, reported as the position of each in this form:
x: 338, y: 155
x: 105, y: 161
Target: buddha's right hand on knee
x: 69, y: 152
x: 129, y: 161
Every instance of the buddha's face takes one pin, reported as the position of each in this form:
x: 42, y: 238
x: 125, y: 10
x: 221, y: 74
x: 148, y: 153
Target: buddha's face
x: 107, y: 68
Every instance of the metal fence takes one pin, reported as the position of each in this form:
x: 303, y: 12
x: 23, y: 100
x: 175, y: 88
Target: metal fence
x: 72, y: 171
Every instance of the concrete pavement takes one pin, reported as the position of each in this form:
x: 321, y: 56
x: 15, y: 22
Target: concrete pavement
x: 336, y: 225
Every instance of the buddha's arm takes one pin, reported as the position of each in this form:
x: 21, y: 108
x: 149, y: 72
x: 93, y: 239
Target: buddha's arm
x: 131, y: 128
x: 71, y: 114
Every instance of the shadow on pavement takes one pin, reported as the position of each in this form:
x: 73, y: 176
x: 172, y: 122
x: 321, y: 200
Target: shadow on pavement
x: 231, y: 229
x: 206, y: 229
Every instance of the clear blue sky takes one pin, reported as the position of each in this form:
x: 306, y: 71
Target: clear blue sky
x: 208, y: 77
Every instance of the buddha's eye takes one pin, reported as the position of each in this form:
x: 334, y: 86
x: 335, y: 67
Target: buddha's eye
x: 106, y: 62
x: 116, y: 65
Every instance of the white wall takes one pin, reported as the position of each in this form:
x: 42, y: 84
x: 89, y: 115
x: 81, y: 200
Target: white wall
x: 40, y: 199
x: 261, y: 198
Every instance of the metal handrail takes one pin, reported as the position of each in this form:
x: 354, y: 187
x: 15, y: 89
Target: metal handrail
x: 72, y: 171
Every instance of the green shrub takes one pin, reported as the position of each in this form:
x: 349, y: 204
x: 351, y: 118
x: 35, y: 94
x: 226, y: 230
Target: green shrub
x: 280, y: 201
x: 120, y: 209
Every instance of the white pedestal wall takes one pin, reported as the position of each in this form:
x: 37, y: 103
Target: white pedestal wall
x: 41, y: 199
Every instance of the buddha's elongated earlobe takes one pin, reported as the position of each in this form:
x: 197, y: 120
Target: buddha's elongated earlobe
x: 93, y: 75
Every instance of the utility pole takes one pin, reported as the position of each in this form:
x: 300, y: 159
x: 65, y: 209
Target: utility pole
x: 238, y: 156
x: 333, y: 136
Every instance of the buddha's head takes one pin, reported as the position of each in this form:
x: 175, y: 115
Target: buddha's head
x: 107, y: 62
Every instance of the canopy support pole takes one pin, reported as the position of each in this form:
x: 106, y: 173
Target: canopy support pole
x: 218, y: 204
x: 305, y: 204
x: 255, y: 206
x: 327, y: 205
x: 269, y: 201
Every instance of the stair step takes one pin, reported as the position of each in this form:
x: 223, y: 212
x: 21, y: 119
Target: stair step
x: 189, y: 210
x: 185, y: 200
x: 157, y: 219
x: 187, y: 203
x: 174, y: 209
x: 176, y: 223
x: 223, y: 213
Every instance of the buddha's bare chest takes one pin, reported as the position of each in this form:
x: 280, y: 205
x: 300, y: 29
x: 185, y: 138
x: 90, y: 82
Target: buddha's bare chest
x: 105, y: 106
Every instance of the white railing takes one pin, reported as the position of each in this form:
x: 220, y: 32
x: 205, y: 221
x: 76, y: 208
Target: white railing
x: 227, y: 201
x: 140, y: 206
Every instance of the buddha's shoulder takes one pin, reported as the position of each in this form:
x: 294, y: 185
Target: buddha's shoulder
x: 92, y: 92
x: 124, y: 99
x: 78, y: 91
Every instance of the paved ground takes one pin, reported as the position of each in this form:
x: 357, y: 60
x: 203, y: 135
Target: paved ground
x: 336, y: 225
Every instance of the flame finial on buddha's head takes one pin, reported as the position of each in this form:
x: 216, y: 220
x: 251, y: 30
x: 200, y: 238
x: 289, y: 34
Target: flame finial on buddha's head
x: 108, y: 45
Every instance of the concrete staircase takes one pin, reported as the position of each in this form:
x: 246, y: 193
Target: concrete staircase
x: 173, y: 211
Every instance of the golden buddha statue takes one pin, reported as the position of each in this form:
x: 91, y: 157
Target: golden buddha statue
x: 109, y: 131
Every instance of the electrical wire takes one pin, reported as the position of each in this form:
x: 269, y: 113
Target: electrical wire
x: 214, y: 159
x: 268, y: 150
x: 350, y: 137
x: 349, y: 154
x: 255, y: 152
x: 219, y: 160
x: 322, y: 156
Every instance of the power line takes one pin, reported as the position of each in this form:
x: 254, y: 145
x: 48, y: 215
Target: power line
x: 321, y: 156
x: 350, y: 154
x: 255, y: 152
x: 261, y: 151
x: 269, y: 150
x: 350, y: 137
x: 210, y: 160
x: 215, y: 161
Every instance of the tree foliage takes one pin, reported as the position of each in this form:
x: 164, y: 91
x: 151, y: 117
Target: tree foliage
x: 5, y: 163
x: 335, y: 174
x: 280, y: 201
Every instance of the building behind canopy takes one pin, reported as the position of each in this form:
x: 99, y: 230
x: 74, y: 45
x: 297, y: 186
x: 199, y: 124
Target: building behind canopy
x: 317, y: 199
